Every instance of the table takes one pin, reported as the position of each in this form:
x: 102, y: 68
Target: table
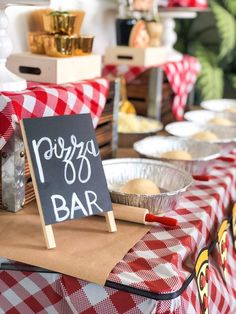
x: 156, y: 275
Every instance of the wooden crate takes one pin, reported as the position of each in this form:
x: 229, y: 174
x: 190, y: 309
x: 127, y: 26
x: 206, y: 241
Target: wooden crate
x: 122, y: 55
x: 137, y: 92
x: 106, y: 135
x: 41, y: 68
x: 106, y: 131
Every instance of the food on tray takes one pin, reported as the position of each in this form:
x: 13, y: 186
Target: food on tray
x: 140, y: 186
x: 205, y: 136
x: 177, y: 154
x: 220, y: 121
x: 130, y: 123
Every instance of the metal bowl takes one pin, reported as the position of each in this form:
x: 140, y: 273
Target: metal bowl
x: 204, y: 116
x: 59, y: 45
x: 64, y: 23
x: 84, y: 45
x: 226, y: 136
x: 172, y: 182
x: 218, y: 105
x: 202, y: 153
x: 35, y: 42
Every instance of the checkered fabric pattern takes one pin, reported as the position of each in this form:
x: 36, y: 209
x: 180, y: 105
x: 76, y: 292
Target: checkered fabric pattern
x: 181, y: 75
x: 42, y: 100
x: 188, y: 3
x: 158, y: 264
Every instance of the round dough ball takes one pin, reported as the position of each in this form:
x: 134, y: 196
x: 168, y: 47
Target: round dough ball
x: 220, y: 121
x: 140, y: 186
x: 177, y: 154
x: 232, y: 110
x: 205, y: 136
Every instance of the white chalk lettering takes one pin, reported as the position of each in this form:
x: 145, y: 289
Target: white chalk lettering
x: 37, y: 156
x: 76, y: 205
x: 63, y: 212
x: 91, y: 199
x: 60, y: 210
x: 74, y: 157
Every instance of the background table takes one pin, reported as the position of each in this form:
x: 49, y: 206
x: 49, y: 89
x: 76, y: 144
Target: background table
x: 156, y: 275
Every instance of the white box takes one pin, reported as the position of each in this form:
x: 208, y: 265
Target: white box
x: 136, y: 56
x: 41, y: 68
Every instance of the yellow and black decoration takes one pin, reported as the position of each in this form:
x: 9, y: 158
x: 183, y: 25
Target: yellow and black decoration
x: 202, y: 276
x: 234, y: 225
x: 222, y: 243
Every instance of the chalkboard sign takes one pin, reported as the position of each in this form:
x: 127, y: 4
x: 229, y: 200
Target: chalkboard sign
x: 66, y: 167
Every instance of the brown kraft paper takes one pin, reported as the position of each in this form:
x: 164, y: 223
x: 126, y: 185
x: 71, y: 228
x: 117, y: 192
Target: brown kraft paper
x: 85, y: 249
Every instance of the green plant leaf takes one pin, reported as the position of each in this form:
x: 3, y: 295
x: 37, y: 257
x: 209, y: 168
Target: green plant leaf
x: 230, y: 6
x: 232, y: 79
x: 225, y: 23
x: 211, y: 79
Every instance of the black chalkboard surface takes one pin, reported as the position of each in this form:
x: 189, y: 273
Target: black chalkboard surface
x: 67, y: 167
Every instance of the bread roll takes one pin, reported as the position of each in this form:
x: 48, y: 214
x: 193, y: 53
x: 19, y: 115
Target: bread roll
x: 220, y: 121
x: 232, y: 110
x: 205, y: 136
x: 140, y: 186
x: 177, y: 154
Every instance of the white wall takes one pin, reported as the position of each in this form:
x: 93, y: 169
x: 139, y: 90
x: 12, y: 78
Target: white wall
x: 18, y: 26
x: 99, y: 21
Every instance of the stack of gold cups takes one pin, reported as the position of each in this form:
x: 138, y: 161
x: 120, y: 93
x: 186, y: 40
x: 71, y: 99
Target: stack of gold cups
x: 61, y: 35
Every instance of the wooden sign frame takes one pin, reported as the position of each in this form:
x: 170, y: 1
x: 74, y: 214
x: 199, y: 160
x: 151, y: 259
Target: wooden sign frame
x: 47, y: 229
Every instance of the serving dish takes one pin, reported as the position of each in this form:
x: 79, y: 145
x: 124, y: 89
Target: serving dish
x: 203, y: 154
x: 172, y: 182
x: 132, y: 128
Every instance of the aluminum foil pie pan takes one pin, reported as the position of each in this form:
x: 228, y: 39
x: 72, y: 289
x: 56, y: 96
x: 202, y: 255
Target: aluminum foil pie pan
x: 205, y: 116
x: 203, y: 154
x: 172, y: 182
x: 226, y: 136
x: 219, y: 105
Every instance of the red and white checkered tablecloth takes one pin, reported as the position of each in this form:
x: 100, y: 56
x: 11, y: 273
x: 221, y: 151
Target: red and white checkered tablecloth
x: 41, y: 100
x: 181, y: 75
x: 202, y: 4
x: 155, y: 275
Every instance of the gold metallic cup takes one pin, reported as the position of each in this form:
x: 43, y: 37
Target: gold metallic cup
x: 84, y: 45
x: 59, y: 45
x: 36, y: 43
x: 59, y: 23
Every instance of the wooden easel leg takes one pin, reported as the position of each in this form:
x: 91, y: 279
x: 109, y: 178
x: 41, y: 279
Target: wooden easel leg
x: 49, y: 236
x: 110, y: 221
